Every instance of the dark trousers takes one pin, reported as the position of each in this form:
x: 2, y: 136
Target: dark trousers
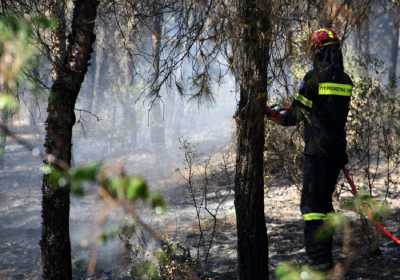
x: 319, y: 181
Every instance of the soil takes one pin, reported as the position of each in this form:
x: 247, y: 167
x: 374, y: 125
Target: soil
x: 20, y: 222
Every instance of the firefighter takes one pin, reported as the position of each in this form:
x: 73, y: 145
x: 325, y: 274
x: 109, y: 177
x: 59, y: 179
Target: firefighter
x: 322, y: 103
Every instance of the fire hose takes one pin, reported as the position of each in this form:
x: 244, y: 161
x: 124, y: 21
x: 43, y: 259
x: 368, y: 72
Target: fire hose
x: 379, y: 227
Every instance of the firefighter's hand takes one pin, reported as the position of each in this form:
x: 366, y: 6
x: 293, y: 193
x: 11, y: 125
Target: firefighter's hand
x: 275, y: 114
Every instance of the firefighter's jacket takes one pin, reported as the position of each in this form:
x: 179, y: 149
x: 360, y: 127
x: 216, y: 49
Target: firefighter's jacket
x: 323, y: 104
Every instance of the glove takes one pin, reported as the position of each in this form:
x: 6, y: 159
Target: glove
x: 276, y: 113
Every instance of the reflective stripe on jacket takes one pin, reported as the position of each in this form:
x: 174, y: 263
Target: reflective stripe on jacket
x: 323, y: 104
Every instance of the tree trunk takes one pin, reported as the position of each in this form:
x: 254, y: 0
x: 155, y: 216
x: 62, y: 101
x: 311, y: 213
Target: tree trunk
x: 157, y: 130
x: 361, y: 44
x: 101, y: 79
x: 127, y: 101
x: 55, y: 242
x: 58, y: 37
x: 251, y: 52
x: 4, y: 118
x: 34, y: 105
x: 176, y: 113
x: 394, y: 53
x: 364, y: 36
x: 90, y: 83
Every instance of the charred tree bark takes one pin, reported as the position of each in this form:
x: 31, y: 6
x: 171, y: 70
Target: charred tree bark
x: 251, y: 54
x: 55, y: 242
x: 58, y: 37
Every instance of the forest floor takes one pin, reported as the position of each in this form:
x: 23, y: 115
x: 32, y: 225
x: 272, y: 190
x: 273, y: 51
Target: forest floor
x: 20, y: 220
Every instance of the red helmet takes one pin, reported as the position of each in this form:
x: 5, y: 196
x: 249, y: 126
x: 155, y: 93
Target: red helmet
x: 324, y: 37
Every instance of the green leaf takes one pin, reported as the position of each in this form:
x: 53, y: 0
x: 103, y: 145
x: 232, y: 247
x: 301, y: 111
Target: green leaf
x: 161, y: 257
x: 55, y: 177
x: 46, y: 169
x: 87, y: 172
x: 146, y: 270
x: 347, y: 203
x: 334, y: 221
x: 157, y: 201
x: 137, y: 188
x: 107, y: 235
x: 113, y: 186
x: 45, y: 22
x: 121, y: 186
x: 286, y: 271
x: 77, y: 190
x: 102, y: 238
x: 8, y: 102
x: 282, y: 270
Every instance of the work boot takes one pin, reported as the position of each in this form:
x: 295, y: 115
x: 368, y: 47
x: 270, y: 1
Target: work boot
x: 321, y: 267
x: 318, y: 249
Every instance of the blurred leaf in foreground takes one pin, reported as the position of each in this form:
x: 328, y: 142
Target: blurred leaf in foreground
x: 286, y: 271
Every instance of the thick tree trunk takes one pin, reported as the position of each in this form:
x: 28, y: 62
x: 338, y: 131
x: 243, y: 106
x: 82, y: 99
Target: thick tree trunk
x: 251, y: 52
x: 55, y: 242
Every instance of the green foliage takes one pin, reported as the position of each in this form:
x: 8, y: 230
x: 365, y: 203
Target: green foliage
x: 7, y: 102
x: 84, y: 173
x: 147, y: 270
x: 396, y: 2
x: 15, y: 29
x: 175, y: 261
x: 162, y: 257
x: 108, y: 235
x: 373, y: 124
x: 74, y: 177
x: 331, y: 224
x: 56, y: 177
x: 17, y: 50
x: 124, y: 191
x: 137, y: 188
x: 44, y: 22
x: 283, y: 149
x: 370, y: 207
x: 286, y: 271
x: 132, y: 189
x: 119, y: 187
x: 171, y: 261
x: 157, y: 202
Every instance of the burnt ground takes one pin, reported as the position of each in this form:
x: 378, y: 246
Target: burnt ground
x: 20, y: 225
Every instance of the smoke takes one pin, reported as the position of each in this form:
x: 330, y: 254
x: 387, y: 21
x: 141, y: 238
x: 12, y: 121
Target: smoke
x: 142, y: 135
